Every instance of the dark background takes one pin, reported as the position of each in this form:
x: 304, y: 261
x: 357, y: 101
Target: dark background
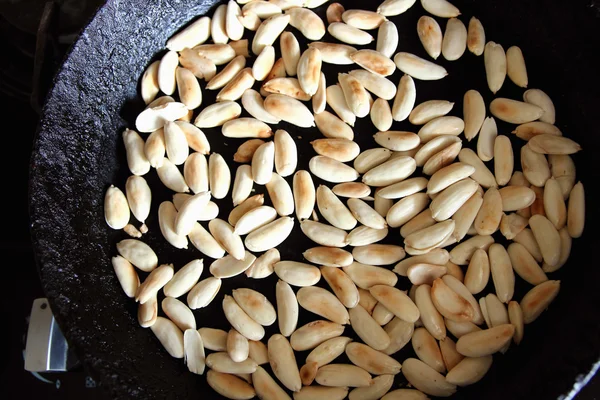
x: 20, y: 98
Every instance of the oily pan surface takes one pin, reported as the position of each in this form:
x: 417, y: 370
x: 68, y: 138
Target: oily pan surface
x: 79, y: 153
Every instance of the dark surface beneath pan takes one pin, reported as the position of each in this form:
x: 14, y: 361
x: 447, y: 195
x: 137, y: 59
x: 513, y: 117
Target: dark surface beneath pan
x: 80, y: 153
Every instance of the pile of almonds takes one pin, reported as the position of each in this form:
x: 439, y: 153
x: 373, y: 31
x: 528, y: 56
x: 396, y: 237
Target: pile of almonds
x: 449, y: 212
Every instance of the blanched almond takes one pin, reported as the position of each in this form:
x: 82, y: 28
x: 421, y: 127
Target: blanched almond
x: 319, y: 100
x: 515, y: 112
x: 430, y: 35
x: 425, y: 378
x: 473, y: 112
x: 229, y: 386
x: 283, y: 362
x: 365, y: 214
x: 427, y: 349
x: 476, y: 37
x: 529, y: 130
x: 290, y: 51
x: 269, y: 31
x: 254, y: 104
x: 309, y: 70
x: 297, y: 273
x: 363, y: 235
x: 116, y: 208
x: 349, y: 34
x: 323, y: 303
x: 482, y: 174
x: 237, y: 86
x: 387, y: 39
x: 341, y: 284
x: 286, y: 86
x: 455, y: 39
x: 269, y: 235
x: 307, y: 22
x: 495, y: 66
x: 314, y: 333
x: 266, y: 387
x: 334, y: 53
x: 405, y: 97
x: 485, y: 342
x: 502, y: 272
x: 553, y: 144
x: 217, y: 114
x: 203, y: 293
x: 286, y: 153
x: 263, y: 265
x: 449, y: 303
x: 470, y: 370
x: 516, y: 69
x: 228, y: 266
x: 446, y: 125
x: 542, y: 100
x: 538, y: 299
x: 419, y: 68
x: 576, y: 211
x: 390, y: 172
x: 304, y: 194
x: 353, y: 190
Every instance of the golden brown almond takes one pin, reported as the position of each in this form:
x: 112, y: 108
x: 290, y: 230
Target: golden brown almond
x: 476, y: 37
x: 515, y: 112
x: 553, y: 144
x: 307, y: 22
x: 353, y: 190
x: 341, y: 284
x: 538, y: 299
x: 374, y: 62
x: 314, y: 333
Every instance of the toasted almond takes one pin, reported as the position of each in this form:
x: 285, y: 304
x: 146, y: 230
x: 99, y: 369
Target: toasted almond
x: 321, y: 302
x: 307, y: 22
x: 405, y: 394
x: 332, y: 127
x: 363, y: 19
x: 419, y: 68
x: 269, y: 31
x: 516, y: 197
x: 286, y: 153
x: 334, y: 53
x: 495, y: 66
x: 355, y: 95
x: 426, y: 379
x: 503, y: 160
x: 213, y: 339
x: 538, y: 299
x: 378, y: 85
x: 154, y: 148
x: 256, y: 305
x: 367, y: 301
x: 373, y: 61
x: 343, y: 375
x: 437, y: 257
x: 476, y: 37
x: 430, y: 35
x: 257, y: 351
x: 189, y: 88
x: 353, y: 190
x: 343, y: 150
x: 447, y: 176
x: 286, y: 86
x: 527, y: 239
x: 241, y: 321
x: 512, y: 224
x: 334, y: 12
x: 378, y: 254
x: 371, y: 360
x: 262, y: 9
x: 203, y: 293
x: 450, y: 356
x: 218, y: 114
x: 485, y: 342
x: 342, y: 286
x: 169, y: 336
x: 304, y: 194
x: 219, y: 53
x: 494, y: 310
x: 535, y: 166
x: 542, y: 100
x: 202, y: 66
x: 455, y: 39
x: 290, y: 51
x: 525, y: 265
x: 515, y: 315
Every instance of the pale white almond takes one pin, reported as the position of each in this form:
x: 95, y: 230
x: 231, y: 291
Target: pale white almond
x: 405, y: 98
x: 189, y: 212
x: 387, y: 39
x: 535, y: 166
x: 473, y: 112
x: 429, y: 110
x: 194, y: 351
x: 459, y: 329
x: 403, y: 188
x: 262, y: 163
x: 169, y: 336
x: 281, y: 195
x: 381, y: 205
x: 343, y: 375
x: 242, y: 184
x: 451, y: 199
x: 515, y: 315
x: 371, y: 360
x: 304, y: 194
x: 455, y: 39
x: 290, y: 110
x: 269, y: 235
x: 229, y: 386
x: 286, y: 86
x: 447, y: 176
x: 365, y: 214
x: 381, y: 314
x: 262, y: 9
x: 406, y: 209
x: 203, y: 293
x: 427, y: 349
x: 515, y: 112
x: 179, y: 313
x: 333, y: 127
x: 354, y: 190
x: 257, y: 351
x: 433, y: 147
x: 554, y: 204
x: 366, y: 276
x: 396, y: 301
x: 482, y: 174
x: 319, y: 100
x: 442, y: 158
x: 470, y: 370
x: 166, y: 72
x: 219, y: 53
x: 363, y: 19
x: 337, y: 101
x: 489, y: 215
x: 502, y: 272
x: 287, y: 308
x: 154, y: 148
x: 269, y: 31
x: 529, y: 130
x: 175, y: 143
x: 314, y: 333
x: 368, y: 329
x: 250, y: 21
x: 328, y: 256
x: 218, y: 25
x: 397, y: 140
x: 316, y: 392
x: 516, y: 69
x: 241, y: 321
x: 380, y: 386
x: 367, y: 301
x: 167, y: 217
x: 138, y: 253
x: 430, y: 317
x: 430, y: 236
x: 155, y: 116
x: 449, y: 303
x: 286, y: 153
x: 225, y: 235
x: 149, y: 82
x: 425, y: 378
x: 542, y: 100
x: 405, y: 394
x: 495, y: 66
x: 217, y: 114
x: 377, y: 84
x: 334, y: 53
x: 323, y: 303
x: 155, y: 281
x: 134, y: 147
x: 494, y: 310
x: 126, y: 275
x: 254, y: 219
x: 349, y: 34
x: 307, y: 22
x: 254, y: 104
x: 485, y: 342
x: 400, y: 333
x: 263, y: 265
x: 378, y: 254
x: 553, y: 144
x: 290, y: 51
x: 116, y: 208
x: 364, y: 235
x: 446, y: 125
x: 297, y: 273
x: 213, y: 339
x: 332, y: 170
x: 222, y: 363
x: 189, y: 88
x: 394, y: 7
x: 184, y: 279
x: 381, y: 115
x: 283, y: 362
x: 503, y: 160
x: 228, y: 266
x: 355, y: 95
x: 342, y: 286
x: 246, y: 128
x: 478, y: 272
x: 205, y: 242
x: 547, y: 238
x: 437, y: 257
x: 390, y: 172
x: 527, y: 239
x: 576, y: 211
x: 430, y: 35
x: 516, y: 197
x: 266, y: 387
x: 236, y: 87
x: 322, y: 234
x: 538, y: 299
x: 419, y: 68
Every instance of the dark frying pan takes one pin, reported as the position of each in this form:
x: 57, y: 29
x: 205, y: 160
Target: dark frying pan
x: 79, y: 153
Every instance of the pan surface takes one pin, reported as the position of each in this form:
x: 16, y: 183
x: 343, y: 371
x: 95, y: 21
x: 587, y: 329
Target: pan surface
x: 79, y: 153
